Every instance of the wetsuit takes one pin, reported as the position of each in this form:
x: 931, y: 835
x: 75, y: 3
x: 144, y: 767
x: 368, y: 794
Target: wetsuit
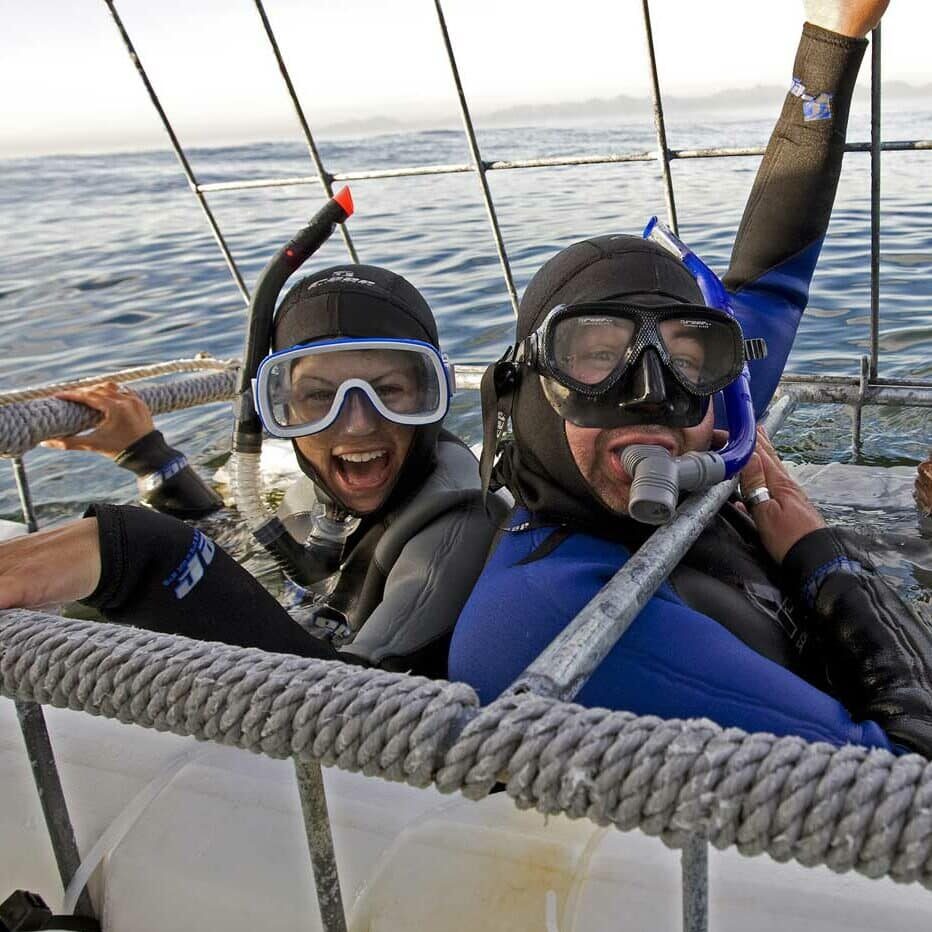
x: 166, y: 480
x: 675, y: 660
x: 401, y: 588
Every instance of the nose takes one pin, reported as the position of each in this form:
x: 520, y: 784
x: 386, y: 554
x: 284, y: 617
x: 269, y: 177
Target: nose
x: 647, y: 381
x: 358, y: 417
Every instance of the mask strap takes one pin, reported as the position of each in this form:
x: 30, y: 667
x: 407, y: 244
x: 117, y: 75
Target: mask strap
x: 496, y: 391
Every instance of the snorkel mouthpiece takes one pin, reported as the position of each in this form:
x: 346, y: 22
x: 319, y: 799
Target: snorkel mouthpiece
x: 656, y: 477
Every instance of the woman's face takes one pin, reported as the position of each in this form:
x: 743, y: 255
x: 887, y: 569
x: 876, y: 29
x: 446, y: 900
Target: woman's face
x: 361, y: 454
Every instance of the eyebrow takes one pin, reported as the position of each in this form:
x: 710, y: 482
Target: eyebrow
x: 309, y: 376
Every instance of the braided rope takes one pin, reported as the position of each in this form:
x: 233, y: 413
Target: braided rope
x: 24, y: 424
x: 849, y: 808
x: 199, y: 363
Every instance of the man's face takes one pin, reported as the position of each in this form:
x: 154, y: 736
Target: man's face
x: 360, y: 455
x: 597, y: 453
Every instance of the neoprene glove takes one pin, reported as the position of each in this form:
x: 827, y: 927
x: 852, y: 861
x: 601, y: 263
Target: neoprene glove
x: 877, y: 651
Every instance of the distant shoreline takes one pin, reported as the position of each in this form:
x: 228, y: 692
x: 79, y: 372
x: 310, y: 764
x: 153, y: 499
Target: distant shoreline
x: 760, y: 100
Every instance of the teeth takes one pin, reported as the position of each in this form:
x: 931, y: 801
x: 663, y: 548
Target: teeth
x: 362, y: 457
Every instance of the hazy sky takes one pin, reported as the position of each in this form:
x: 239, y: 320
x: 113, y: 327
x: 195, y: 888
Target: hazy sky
x: 68, y: 84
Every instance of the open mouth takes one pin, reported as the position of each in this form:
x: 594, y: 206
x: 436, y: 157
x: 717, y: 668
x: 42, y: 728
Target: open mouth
x: 365, y: 470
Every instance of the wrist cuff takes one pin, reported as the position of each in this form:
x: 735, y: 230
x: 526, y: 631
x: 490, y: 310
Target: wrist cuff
x: 813, y: 558
x: 149, y: 455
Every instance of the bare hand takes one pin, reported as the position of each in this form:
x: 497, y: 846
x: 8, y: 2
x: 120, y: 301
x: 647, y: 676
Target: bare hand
x: 789, y: 515
x: 126, y: 418
x: 60, y: 565
x: 854, y: 18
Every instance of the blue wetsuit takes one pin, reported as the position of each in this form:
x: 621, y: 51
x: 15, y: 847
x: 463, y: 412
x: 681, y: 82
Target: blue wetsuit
x: 674, y: 660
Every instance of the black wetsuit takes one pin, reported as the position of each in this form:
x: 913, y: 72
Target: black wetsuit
x: 403, y: 582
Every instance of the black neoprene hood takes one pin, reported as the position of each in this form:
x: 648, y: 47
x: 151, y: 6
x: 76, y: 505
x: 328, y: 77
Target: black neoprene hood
x: 370, y: 302
x: 537, y: 466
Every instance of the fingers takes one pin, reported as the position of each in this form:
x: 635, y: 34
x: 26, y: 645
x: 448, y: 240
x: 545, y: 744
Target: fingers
x: 101, y: 397
x: 752, y: 476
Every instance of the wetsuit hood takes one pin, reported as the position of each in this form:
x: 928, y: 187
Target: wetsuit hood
x: 537, y: 465
x: 362, y: 301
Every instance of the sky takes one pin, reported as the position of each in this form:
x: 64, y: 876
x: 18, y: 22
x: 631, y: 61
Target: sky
x: 68, y: 83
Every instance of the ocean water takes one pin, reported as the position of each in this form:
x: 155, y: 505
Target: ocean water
x: 107, y: 261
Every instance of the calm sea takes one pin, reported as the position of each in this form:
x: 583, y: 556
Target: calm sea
x: 106, y: 261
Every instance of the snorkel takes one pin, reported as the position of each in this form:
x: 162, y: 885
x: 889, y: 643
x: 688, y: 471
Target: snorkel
x: 656, y: 477
x: 316, y: 560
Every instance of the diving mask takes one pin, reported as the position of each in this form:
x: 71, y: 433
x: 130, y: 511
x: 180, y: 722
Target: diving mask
x: 302, y: 390
x: 611, y: 363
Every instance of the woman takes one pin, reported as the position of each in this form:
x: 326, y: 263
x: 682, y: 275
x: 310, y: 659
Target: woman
x: 410, y: 489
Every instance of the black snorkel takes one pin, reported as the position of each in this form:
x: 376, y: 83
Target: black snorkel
x: 317, y: 560
x: 247, y: 432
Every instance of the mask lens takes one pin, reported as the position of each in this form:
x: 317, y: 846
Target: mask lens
x: 589, y: 348
x: 302, y: 388
x: 703, y: 352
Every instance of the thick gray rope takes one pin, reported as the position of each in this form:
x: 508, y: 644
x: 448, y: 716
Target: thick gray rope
x: 200, y: 363
x: 849, y: 808
x: 24, y: 424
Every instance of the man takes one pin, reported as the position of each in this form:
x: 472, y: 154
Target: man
x: 768, y: 617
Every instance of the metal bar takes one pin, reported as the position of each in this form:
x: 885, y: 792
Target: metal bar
x: 848, y: 392
x: 806, y: 389
x: 694, y: 871
x: 39, y: 748
x: 662, y: 149
x: 857, y: 410
x: 179, y: 153
x: 322, y: 174
x: 559, y: 161
x: 320, y: 844
x: 478, y: 164
x: 25, y: 496
x: 569, y: 660
x: 875, y: 201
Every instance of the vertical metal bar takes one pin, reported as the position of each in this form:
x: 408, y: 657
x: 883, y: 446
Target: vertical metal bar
x: 694, y: 864
x: 320, y: 844
x: 875, y: 202
x: 322, y: 173
x: 25, y: 496
x: 40, y: 752
x: 857, y: 410
x: 478, y: 164
x: 659, y: 122
x: 179, y: 152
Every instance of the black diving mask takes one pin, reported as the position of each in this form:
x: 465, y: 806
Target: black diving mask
x: 612, y: 364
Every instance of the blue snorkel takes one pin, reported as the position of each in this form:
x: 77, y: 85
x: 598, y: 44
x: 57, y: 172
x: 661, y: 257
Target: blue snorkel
x: 658, y: 478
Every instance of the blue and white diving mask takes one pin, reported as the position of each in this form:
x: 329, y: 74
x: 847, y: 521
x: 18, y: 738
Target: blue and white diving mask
x: 302, y: 390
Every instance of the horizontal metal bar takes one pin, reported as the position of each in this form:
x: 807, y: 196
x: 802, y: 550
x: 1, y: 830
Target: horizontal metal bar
x: 559, y: 161
x: 848, y: 392
x: 807, y: 389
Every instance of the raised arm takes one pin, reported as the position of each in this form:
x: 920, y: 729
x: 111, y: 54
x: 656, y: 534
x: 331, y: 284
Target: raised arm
x: 787, y: 214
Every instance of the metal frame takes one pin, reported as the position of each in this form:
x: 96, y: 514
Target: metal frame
x: 566, y: 664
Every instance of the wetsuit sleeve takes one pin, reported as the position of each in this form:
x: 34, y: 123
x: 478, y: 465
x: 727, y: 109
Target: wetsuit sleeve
x: 166, y: 480
x: 162, y: 574
x: 877, y: 651
x: 673, y: 661
x: 787, y: 214
x: 427, y: 584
